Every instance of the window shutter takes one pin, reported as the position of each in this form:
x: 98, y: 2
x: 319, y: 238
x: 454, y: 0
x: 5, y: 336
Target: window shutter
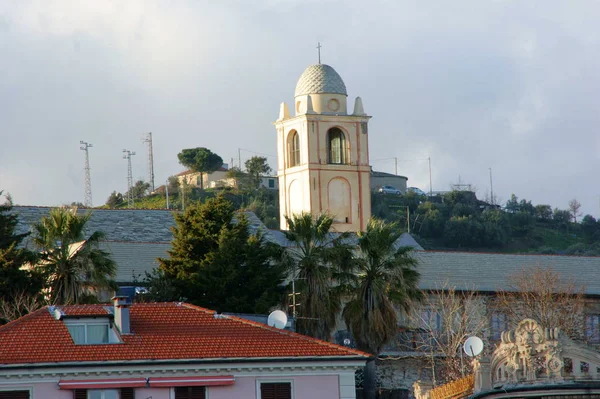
x: 14, y: 395
x: 80, y: 394
x: 190, y: 393
x: 127, y: 393
x: 276, y: 390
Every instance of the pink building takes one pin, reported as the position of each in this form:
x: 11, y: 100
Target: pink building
x: 166, y: 351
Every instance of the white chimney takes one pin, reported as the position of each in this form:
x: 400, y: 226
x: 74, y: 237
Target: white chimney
x: 121, y: 304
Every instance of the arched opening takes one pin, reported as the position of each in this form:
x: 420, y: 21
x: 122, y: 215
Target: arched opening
x: 293, y: 146
x: 337, y: 146
x: 339, y: 200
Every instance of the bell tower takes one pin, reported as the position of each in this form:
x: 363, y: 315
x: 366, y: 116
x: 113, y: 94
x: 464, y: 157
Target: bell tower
x: 323, y: 152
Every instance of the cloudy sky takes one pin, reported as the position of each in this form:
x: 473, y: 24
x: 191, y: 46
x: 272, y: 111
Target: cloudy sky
x: 507, y: 85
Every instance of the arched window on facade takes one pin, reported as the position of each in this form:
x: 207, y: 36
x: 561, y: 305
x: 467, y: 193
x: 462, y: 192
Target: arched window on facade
x: 293, y: 149
x: 337, y: 146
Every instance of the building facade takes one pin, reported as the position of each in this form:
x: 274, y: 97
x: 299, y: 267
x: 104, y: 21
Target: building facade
x: 323, y: 153
x: 165, y: 351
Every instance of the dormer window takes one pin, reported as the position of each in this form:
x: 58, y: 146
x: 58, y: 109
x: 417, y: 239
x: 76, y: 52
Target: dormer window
x: 89, y: 334
x: 91, y: 331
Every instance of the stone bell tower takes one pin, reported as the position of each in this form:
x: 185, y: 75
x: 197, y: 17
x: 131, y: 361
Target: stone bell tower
x: 323, y: 152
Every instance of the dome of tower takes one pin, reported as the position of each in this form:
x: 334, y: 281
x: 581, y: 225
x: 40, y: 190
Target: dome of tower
x: 320, y: 78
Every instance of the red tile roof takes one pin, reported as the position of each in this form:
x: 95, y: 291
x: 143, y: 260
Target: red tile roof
x: 160, y: 331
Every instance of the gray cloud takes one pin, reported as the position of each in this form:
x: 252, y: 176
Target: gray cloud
x: 506, y: 85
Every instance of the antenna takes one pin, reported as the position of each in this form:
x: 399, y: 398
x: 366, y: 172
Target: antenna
x: 148, y: 140
x: 88, y: 180
x: 127, y: 156
x: 277, y: 319
x: 473, y: 346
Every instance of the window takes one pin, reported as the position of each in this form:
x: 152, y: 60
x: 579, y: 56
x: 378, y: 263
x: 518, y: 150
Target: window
x: 499, y: 324
x: 431, y: 320
x: 123, y: 393
x: 293, y: 149
x: 271, y: 183
x: 102, y: 394
x: 14, y: 395
x: 190, y: 393
x: 337, y: 146
x: 275, y: 390
x: 89, y: 333
x: 592, y: 328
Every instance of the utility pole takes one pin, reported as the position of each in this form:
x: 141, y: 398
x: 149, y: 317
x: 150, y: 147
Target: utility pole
x: 430, y: 185
x: 396, y: 166
x: 88, y: 180
x: 148, y: 140
x: 167, y: 191
x: 127, y: 156
x: 240, y: 158
x: 491, y: 186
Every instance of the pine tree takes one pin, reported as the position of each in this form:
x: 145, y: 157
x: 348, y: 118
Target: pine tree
x: 217, y: 263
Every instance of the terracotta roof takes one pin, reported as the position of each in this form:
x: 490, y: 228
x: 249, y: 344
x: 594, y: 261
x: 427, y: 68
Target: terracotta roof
x: 160, y: 331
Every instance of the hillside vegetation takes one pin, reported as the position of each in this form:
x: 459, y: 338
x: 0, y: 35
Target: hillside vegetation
x: 454, y: 221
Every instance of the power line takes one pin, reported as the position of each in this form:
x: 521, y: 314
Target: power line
x: 127, y: 156
x: 88, y: 180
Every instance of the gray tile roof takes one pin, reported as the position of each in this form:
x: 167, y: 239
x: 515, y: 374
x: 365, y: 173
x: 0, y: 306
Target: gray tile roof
x: 320, y: 78
x: 139, y: 225
x: 490, y: 272
x: 135, y: 259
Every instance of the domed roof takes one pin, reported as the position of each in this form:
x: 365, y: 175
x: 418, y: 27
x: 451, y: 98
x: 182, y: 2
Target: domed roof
x: 320, y: 78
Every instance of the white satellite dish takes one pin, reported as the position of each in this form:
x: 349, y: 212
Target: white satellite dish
x: 473, y: 346
x: 277, y: 319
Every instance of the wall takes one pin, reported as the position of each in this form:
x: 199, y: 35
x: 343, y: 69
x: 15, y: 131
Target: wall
x: 325, y: 386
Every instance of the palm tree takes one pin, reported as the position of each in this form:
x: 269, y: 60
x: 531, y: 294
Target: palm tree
x: 315, y: 261
x: 384, y: 276
x: 73, y: 265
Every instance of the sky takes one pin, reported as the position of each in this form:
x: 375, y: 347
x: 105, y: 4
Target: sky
x: 507, y: 87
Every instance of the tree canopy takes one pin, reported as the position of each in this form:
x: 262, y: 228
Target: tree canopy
x: 217, y: 263
x: 14, y: 280
x: 201, y: 160
x: 256, y: 167
x: 72, y: 263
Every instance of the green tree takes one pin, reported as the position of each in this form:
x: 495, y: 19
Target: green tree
x: 15, y: 280
x: 256, y: 167
x: 385, y: 276
x: 315, y: 261
x: 590, y: 228
x: 139, y: 189
x: 200, y: 160
x: 240, y: 177
x: 74, y: 266
x: 543, y: 213
x: 215, y: 262
x: 114, y: 200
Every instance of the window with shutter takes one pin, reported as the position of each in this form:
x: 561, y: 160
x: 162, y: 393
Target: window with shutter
x: 80, y: 394
x: 190, y: 393
x: 14, y: 394
x: 127, y: 393
x: 275, y: 390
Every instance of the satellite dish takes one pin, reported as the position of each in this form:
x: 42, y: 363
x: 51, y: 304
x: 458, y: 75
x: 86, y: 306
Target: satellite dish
x: 473, y: 346
x: 277, y: 319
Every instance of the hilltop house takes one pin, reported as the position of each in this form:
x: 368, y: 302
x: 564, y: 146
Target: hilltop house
x: 166, y: 351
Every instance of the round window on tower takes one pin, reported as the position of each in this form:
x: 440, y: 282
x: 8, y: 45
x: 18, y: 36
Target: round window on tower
x: 298, y: 105
x: 333, y: 105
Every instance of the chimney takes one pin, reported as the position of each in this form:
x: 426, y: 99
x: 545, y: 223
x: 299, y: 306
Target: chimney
x: 121, y: 304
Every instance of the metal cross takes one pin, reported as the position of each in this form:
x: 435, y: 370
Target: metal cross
x: 319, y: 49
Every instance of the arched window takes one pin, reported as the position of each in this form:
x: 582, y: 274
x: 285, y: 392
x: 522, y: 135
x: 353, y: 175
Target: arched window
x: 293, y: 149
x: 337, y: 146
